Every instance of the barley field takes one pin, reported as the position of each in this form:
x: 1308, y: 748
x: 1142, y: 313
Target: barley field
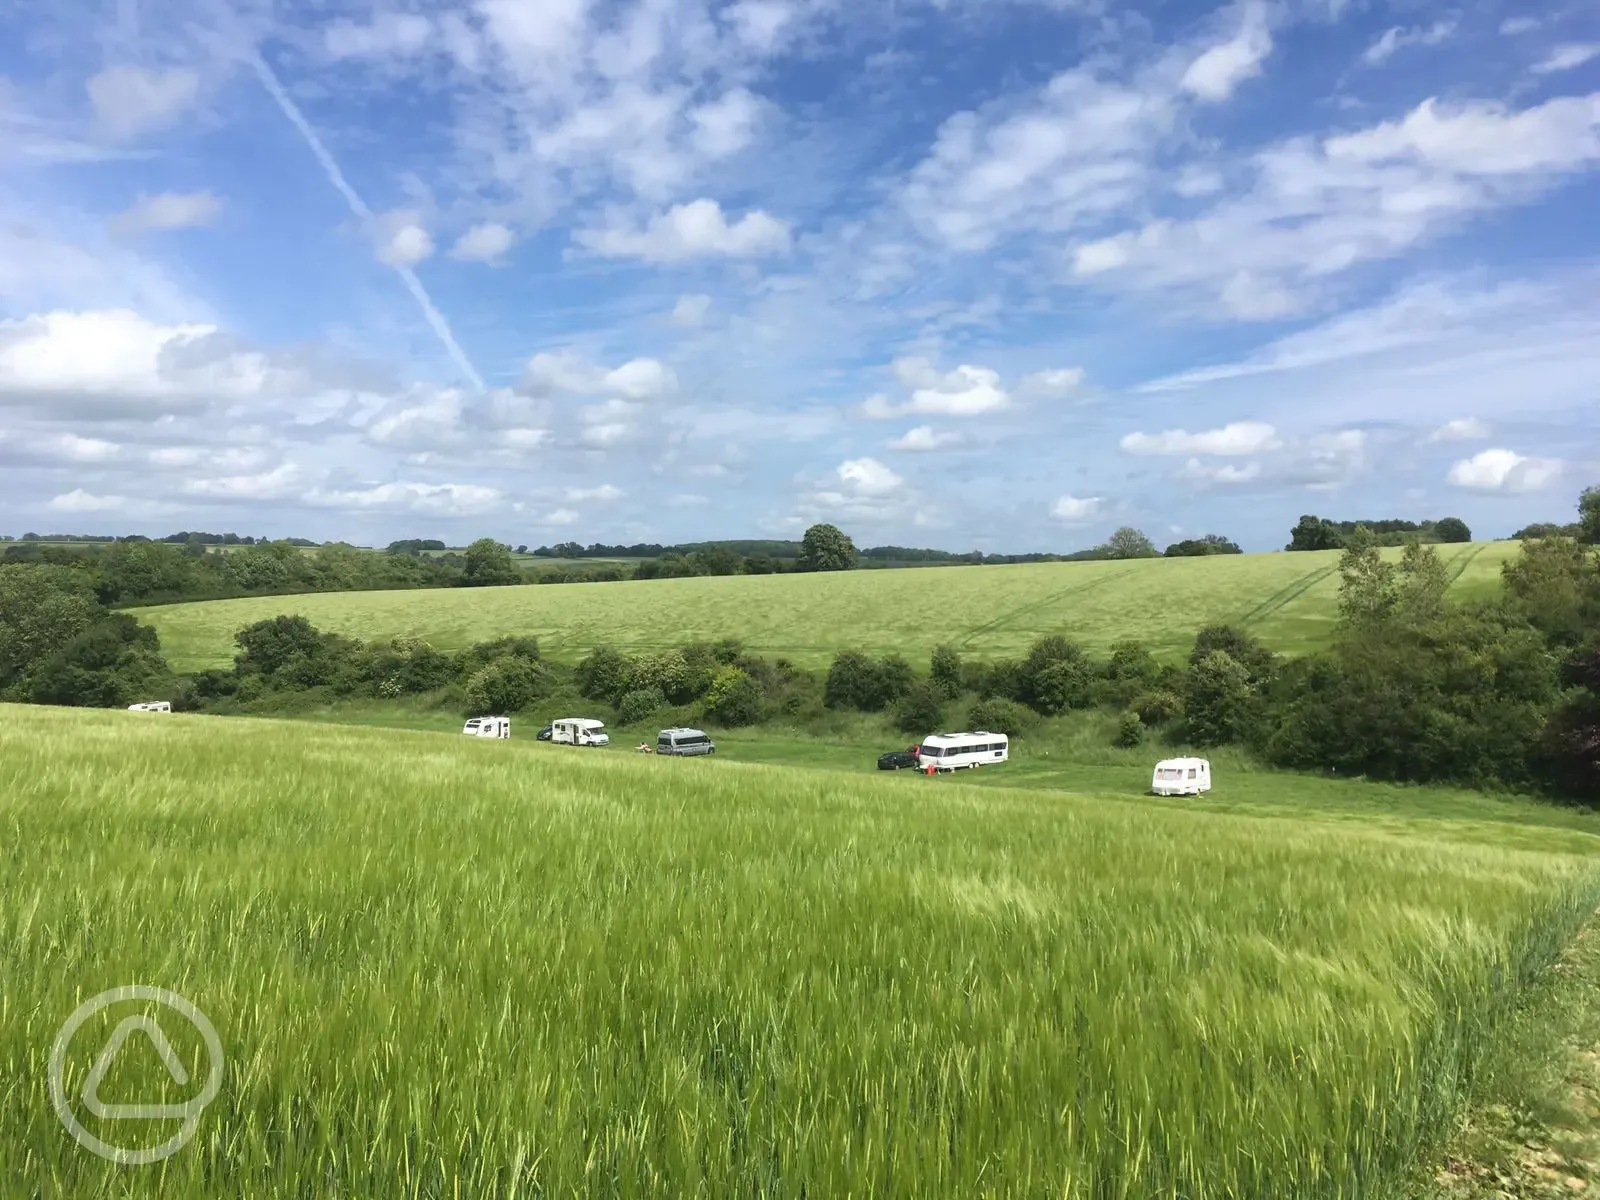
x: 448, y: 968
x: 1287, y: 599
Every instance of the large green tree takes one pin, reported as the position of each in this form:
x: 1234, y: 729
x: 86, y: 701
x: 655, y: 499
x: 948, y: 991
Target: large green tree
x: 489, y: 564
x: 1129, y: 542
x: 827, y: 548
x: 1589, y: 516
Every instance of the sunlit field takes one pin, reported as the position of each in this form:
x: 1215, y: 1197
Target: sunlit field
x: 1289, y: 600
x: 442, y: 967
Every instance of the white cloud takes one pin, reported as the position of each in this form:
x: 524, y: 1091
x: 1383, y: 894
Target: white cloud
x: 565, y: 372
x: 130, y: 101
x: 80, y: 501
x: 402, y: 241
x: 1462, y: 429
x: 688, y: 231
x: 168, y: 211
x: 1317, y: 209
x: 1222, y: 68
x: 868, y: 477
x: 524, y: 439
x: 442, y: 499
x: 923, y: 438
x: 966, y: 391
x: 1505, y: 472
x: 267, y: 485
x: 72, y: 448
x: 423, y: 419
x: 1512, y: 26
x: 484, y: 243
x: 116, y: 361
x: 605, y: 494
x: 687, y: 500
x: 727, y: 124
x: 1238, y: 438
x: 607, y: 433
x: 1056, y: 384
x: 399, y: 35
x: 1075, y: 510
x: 760, y: 24
x: 1397, y: 38
x: 1221, y: 474
x: 690, y: 311
x: 558, y: 518
x: 1568, y: 57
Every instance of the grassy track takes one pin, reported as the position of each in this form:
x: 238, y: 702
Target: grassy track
x: 998, y: 610
x: 445, y: 968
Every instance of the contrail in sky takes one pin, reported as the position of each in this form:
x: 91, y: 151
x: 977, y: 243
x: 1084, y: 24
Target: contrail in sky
x: 358, y: 206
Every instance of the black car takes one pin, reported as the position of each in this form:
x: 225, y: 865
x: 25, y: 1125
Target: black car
x: 544, y: 734
x: 898, y: 760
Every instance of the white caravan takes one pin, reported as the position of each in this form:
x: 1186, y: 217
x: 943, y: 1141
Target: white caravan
x: 579, y: 731
x: 489, y: 727
x: 949, y: 751
x: 1181, y: 777
x: 152, y: 706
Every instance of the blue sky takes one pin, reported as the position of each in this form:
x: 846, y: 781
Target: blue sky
x: 997, y: 274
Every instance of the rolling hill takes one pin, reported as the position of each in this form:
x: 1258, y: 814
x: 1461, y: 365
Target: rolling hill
x: 1289, y: 600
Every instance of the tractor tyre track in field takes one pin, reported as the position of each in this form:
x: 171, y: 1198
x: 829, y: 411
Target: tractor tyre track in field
x: 1036, y: 605
x: 1465, y: 560
x: 1286, y: 595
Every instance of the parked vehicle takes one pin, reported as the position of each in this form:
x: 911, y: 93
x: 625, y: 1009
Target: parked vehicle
x: 951, y: 751
x: 488, y: 727
x: 683, y: 743
x: 579, y: 731
x: 544, y: 734
x: 898, y: 760
x: 152, y: 706
x: 1181, y: 777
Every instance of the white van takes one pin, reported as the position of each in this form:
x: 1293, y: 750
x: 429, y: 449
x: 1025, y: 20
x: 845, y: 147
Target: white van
x: 579, y: 731
x: 1181, y: 777
x: 152, y: 706
x: 489, y: 727
x: 950, y: 751
x: 684, y: 742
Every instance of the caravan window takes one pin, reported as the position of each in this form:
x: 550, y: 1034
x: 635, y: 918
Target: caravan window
x: 1171, y: 773
x: 1191, y: 772
x: 932, y: 752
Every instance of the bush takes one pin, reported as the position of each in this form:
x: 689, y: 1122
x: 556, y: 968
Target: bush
x: 1063, y: 685
x: 945, y: 671
x: 1130, y: 731
x: 637, y: 705
x: 921, y: 709
x: 999, y: 716
x: 507, y: 685
x: 868, y: 685
x: 1158, y: 707
x: 603, y: 674
x: 1219, y: 703
x: 734, y: 698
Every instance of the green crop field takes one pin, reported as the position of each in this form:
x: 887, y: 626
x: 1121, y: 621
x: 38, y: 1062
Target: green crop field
x: 1287, y: 599
x: 440, y: 967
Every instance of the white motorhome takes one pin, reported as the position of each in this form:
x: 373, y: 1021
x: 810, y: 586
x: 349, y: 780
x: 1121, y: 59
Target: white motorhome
x: 488, y: 727
x: 152, y: 706
x: 951, y: 751
x: 579, y: 731
x: 1181, y: 777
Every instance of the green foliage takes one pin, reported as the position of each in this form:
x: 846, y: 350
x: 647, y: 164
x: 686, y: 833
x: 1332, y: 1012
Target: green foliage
x: 507, y: 685
x: 1212, y: 543
x: 1315, y: 533
x: 42, y: 609
x: 1000, y: 716
x: 1219, y: 703
x: 272, y: 645
x: 921, y: 709
x: 1555, y: 585
x: 1589, y: 516
x: 1248, y: 651
x: 603, y: 674
x: 111, y: 663
x: 945, y: 671
x: 735, y: 698
x: 637, y: 705
x: 826, y: 548
x: 1570, y: 749
x: 1130, y: 730
x: 489, y: 564
x: 867, y: 684
x: 669, y: 673
x: 1061, y: 685
x: 1158, y: 707
x: 1129, y: 542
x: 1131, y: 670
x: 1452, y: 530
